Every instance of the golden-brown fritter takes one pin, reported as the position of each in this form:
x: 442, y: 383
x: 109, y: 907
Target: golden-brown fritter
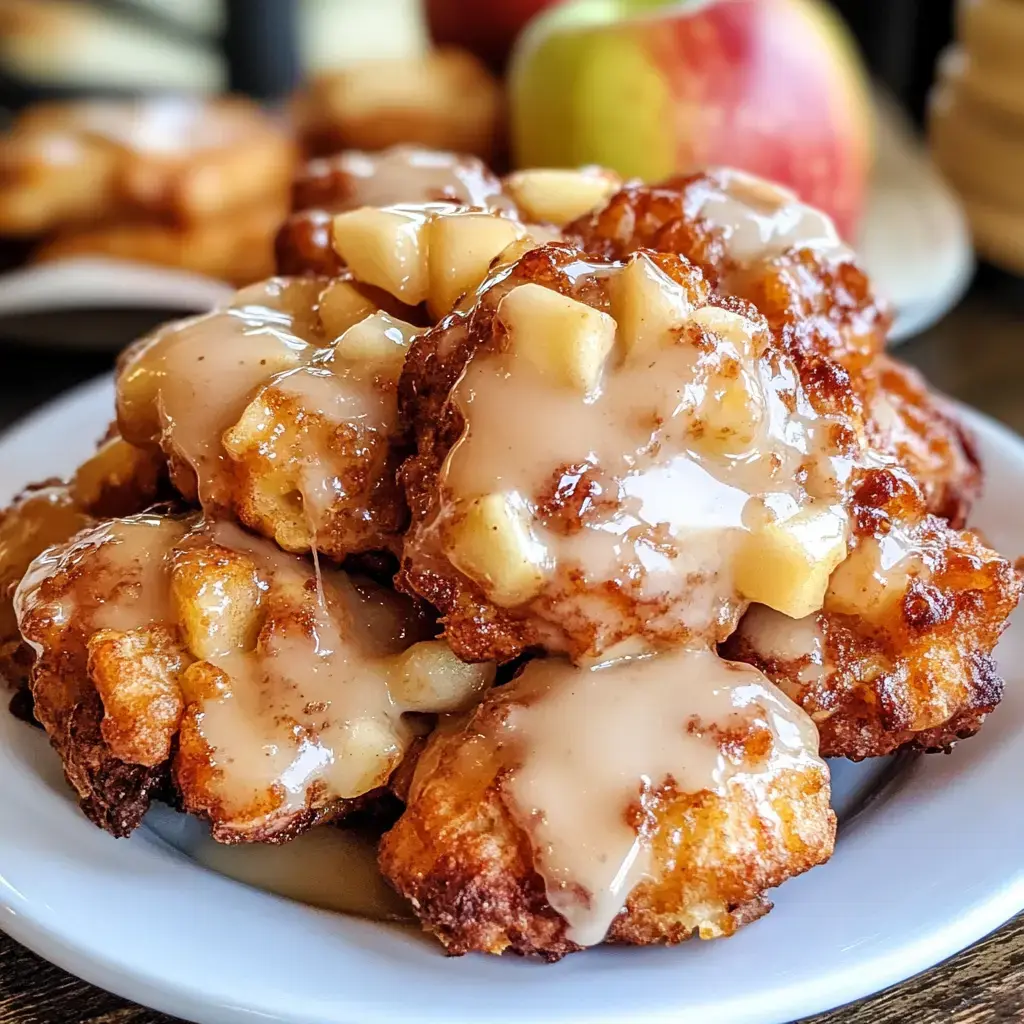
x: 754, y: 240
x: 901, y: 654
x: 237, y: 247
x: 174, y: 160
x: 351, y: 179
x: 117, y: 480
x: 187, y: 657
x: 280, y: 410
x: 571, y: 514
x: 444, y: 99
x: 689, y: 787
x: 922, y: 430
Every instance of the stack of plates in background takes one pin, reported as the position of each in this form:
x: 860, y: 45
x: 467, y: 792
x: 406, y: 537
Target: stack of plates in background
x: 976, y: 125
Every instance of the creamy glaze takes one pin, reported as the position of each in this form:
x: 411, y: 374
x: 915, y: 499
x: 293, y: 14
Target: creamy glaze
x: 189, y: 385
x: 799, y: 643
x: 119, y: 574
x: 759, y: 220
x: 587, y: 750
x: 189, y: 382
x: 669, y: 506
x: 295, y: 707
x: 407, y: 174
x: 331, y: 868
x: 301, y: 713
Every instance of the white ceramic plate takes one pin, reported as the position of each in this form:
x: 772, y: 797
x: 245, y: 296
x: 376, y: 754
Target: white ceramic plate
x: 934, y: 862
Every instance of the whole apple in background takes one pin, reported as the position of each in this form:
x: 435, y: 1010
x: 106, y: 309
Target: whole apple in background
x: 653, y: 87
x: 487, y: 28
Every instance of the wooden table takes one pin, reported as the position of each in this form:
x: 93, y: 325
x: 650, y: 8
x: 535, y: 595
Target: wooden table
x: 976, y: 354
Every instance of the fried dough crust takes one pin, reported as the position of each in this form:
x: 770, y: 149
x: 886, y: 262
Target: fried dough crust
x: 302, y: 423
x: 816, y: 303
x: 899, y: 665
x: 825, y: 300
x: 150, y: 628
x: 117, y: 480
x: 459, y: 856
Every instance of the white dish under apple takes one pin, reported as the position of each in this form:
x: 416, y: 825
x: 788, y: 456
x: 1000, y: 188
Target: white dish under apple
x: 930, y: 864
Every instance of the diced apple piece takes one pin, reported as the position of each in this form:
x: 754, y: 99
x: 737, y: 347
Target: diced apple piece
x: 786, y: 564
x: 493, y: 544
x: 728, y: 419
x: 558, y: 196
x: 364, y: 757
x: 647, y: 304
x: 380, y: 341
x: 386, y: 248
x: 729, y: 326
x: 461, y: 248
x: 566, y: 340
x: 216, y: 595
x: 861, y: 586
x: 342, y: 305
x: 430, y: 677
x: 203, y: 681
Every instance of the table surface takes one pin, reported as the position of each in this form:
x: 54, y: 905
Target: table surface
x: 975, y: 354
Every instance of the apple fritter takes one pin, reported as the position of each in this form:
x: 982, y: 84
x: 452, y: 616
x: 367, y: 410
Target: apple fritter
x: 117, y: 480
x: 901, y: 654
x: 445, y: 99
x: 754, y: 240
x: 690, y: 787
x: 176, y: 160
x: 605, y: 455
x: 186, y: 657
x: 280, y: 410
x: 237, y: 247
x: 351, y: 179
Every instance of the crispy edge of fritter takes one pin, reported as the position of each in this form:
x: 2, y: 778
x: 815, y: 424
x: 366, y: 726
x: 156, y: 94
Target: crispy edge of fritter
x: 943, y: 457
x: 118, y: 479
x: 820, y: 303
x: 934, y: 650
x: 112, y: 793
x: 468, y: 869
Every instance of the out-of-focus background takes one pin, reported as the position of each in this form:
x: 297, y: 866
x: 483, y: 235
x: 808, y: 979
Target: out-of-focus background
x: 903, y: 120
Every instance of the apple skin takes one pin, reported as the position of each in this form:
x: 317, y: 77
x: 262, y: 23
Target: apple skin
x: 651, y: 88
x: 487, y: 28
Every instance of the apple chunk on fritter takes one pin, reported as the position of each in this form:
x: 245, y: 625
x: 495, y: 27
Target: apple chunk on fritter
x: 901, y: 656
x: 639, y: 802
x: 183, y: 657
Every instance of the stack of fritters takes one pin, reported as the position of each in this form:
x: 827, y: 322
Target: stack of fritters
x: 633, y: 451
x: 196, y: 184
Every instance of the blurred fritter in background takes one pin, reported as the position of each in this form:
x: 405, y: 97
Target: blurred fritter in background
x: 168, y: 132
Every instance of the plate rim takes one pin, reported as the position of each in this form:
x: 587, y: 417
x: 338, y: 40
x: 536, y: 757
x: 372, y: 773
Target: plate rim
x: 160, y: 988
